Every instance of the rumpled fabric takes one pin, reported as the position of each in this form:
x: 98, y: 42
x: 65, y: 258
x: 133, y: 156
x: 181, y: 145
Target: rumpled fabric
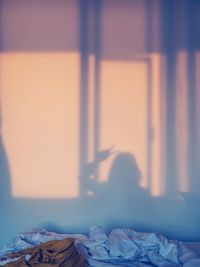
x: 57, y: 253
x: 30, y: 240
x: 122, y: 247
x: 126, y: 247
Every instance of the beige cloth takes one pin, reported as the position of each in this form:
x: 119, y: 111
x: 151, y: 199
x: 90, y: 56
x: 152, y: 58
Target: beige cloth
x: 58, y: 253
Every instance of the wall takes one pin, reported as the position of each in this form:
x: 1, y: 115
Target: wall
x: 99, y: 116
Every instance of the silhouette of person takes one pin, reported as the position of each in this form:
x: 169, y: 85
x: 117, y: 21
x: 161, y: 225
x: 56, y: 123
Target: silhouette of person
x: 124, y: 178
x: 124, y: 170
x: 121, y: 197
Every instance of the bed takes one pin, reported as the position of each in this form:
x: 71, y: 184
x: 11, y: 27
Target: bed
x: 121, y: 247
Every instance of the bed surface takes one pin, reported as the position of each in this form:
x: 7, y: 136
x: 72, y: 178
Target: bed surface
x: 121, y: 247
x: 194, y: 246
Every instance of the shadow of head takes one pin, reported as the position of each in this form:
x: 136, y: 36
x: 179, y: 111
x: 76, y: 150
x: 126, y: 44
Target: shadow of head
x: 124, y: 171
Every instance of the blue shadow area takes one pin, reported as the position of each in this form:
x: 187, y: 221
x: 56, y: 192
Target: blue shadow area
x: 120, y: 201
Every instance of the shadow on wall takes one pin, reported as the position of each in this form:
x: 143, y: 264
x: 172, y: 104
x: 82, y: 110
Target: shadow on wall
x: 120, y: 197
x: 120, y: 201
x: 5, y: 181
x: 5, y: 188
x: 127, y: 204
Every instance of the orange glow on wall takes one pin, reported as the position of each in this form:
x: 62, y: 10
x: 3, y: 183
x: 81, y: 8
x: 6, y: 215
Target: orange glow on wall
x: 40, y: 105
x: 124, y: 111
x: 40, y: 116
x: 129, y: 92
x: 156, y: 177
x: 91, y: 107
x: 182, y: 120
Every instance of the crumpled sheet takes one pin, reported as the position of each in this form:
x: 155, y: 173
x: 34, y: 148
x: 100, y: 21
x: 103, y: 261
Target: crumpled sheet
x: 31, y: 239
x: 122, y: 247
x: 57, y: 253
x: 125, y: 247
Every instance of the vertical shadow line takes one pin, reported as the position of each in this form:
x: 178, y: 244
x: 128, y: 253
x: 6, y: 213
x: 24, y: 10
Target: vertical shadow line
x: 168, y: 17
x: 192, y: 116
x: 149, y: 125
x: 97, y: 93
x: 83, y: 134
x: 148, y: 9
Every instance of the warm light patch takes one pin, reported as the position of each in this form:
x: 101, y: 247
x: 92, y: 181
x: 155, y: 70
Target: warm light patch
x: 91, y: 107
x: 182, y: 120
x: 123, y: 118
x: 155, y: 127
x: 40, y: 108
x: 130, y: 115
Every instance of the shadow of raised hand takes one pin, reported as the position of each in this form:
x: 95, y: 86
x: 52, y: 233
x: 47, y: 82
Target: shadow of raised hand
x: 104, y: 154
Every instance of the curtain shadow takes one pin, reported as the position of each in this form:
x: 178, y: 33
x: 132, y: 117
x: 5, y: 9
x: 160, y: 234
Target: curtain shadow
x: 6, y: 199
x: 168, y: 42
x: 5, y: 179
